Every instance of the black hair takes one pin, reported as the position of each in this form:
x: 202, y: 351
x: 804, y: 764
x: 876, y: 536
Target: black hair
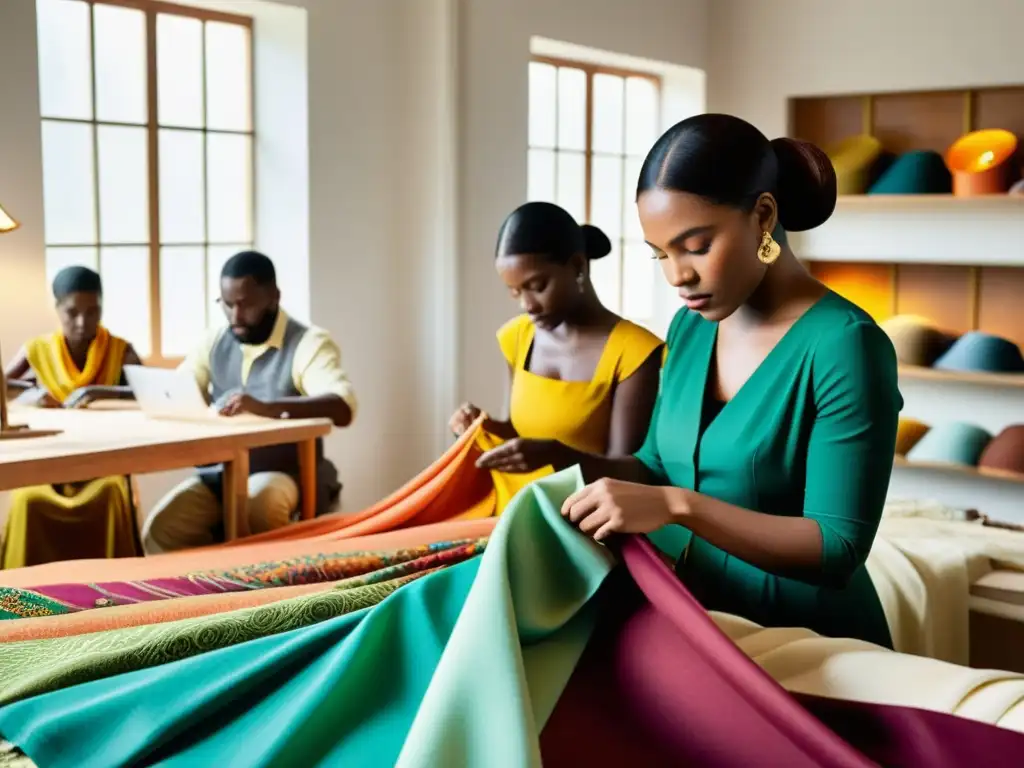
x: 76, y: 280
x: 547, y: 230
x: 728, y: 161
x: 250, y: 264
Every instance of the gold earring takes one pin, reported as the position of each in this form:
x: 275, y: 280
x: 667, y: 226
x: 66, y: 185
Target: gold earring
x: 769, y: 250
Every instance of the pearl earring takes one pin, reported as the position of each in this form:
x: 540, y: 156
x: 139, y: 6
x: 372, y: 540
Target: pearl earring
x: 579, y: 281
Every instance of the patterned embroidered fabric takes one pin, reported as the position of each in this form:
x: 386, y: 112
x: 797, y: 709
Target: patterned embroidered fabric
x: 58, y: 599
x: 31, y: 667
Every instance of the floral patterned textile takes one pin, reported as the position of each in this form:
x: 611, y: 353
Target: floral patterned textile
x: 58, y: 599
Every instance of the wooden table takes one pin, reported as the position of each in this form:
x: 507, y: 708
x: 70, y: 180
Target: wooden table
x: 118, y: 439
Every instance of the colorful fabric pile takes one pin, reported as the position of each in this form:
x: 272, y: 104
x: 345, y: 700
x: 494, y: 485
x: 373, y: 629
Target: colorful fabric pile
x: 482, y: 642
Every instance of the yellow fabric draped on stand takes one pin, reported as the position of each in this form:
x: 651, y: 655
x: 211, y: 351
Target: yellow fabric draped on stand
x: 72, y: 521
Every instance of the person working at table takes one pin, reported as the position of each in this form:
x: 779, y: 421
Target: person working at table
x: 267, y: 364
x: 79, y: 364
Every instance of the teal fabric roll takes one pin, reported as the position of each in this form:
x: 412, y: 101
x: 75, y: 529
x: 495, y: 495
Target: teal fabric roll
x: 977, y: 351
x: 951, y: 443
x: 461, y: 667
x: 921, y: 172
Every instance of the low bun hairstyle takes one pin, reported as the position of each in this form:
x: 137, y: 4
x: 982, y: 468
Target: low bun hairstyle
x: 548, y: 230
x: 728, y: 161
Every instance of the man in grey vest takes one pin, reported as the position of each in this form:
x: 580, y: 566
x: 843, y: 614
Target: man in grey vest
x: 267, y: 364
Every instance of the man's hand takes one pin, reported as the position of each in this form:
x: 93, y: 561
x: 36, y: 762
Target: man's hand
x: 82, y: 397
x: 37, y: 397
x: 243, y: 403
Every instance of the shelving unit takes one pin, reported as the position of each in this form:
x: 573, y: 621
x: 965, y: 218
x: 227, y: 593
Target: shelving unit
x: 1000, y: 380
x: 980, y: 473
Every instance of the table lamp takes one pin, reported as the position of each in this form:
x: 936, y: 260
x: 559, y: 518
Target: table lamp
x: 8, y: 431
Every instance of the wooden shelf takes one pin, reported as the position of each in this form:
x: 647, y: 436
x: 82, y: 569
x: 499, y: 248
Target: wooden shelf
x: 900, y: 202
x: 980, y: 379
x: 983, y: 473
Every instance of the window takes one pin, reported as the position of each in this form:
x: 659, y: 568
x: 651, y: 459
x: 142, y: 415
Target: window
x: 590, y: 129
x: 147, y: 158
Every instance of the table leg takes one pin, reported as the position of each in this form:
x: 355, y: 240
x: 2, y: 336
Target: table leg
x: 307, y: 478
x: 236, y: 496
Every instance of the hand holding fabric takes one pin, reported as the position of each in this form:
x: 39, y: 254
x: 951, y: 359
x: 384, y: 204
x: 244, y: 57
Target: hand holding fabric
x: 614, y: 506
x: 463, y: 418
x: 520, y: 455
x: 82, y: 397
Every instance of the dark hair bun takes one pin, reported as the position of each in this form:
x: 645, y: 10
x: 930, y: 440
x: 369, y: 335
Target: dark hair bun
x: 805, y: 185
x: 596, y: 244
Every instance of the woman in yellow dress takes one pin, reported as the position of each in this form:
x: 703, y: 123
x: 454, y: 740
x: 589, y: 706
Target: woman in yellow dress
x: 581, y: 378
x: 80, y: 364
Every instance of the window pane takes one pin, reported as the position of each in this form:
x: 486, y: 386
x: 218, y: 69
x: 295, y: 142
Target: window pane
x: 630, y: 217
x: 228, y: 77
x: 605, y: 275
x: 179, y: 53
x: 124, y: 184
x: 606, y: 194
x: 543, y: 106
x: 69, y: 195
x: 540, y: 175
x: 125, y: 274
x: 572, y: 108
x: 229, y: 188
x: 638, y: 282
x: 120, y: 64
x: 65, y: 59
x: 608, y: 113
x: 641, y: 115
x: 61, y: 258
x: 182, y: 298
x: 216, y: 256
x: 571, y: 184
x: 182, y: 191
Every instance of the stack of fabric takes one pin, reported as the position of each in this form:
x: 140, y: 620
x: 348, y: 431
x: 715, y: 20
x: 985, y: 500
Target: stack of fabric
x: 514, y: 641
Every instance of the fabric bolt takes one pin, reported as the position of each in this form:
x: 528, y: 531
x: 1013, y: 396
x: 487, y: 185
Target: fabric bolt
x: 951, y: 442
x: 1006, y: 451
x: 908, y: 434
x: 976, y: 351
x: 917, y: 340
x: 920, y: 172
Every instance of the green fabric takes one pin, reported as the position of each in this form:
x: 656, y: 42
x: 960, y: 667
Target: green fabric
x: 31, y: 667
x: 461, y: 667
x: 812, y: 432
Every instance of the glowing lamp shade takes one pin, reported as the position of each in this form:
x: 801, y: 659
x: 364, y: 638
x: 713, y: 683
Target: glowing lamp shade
x: 980, y: 162
x: 7, y: 224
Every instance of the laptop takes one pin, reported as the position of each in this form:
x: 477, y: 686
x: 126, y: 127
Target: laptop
x: 164, y: 393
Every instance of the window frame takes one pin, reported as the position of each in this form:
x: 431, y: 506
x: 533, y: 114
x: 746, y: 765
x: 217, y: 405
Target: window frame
x: 152, y: 9
x: 590, y: 70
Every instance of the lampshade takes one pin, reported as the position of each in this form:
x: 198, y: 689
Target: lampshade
x: 7, y: 224
x: 979, y: 162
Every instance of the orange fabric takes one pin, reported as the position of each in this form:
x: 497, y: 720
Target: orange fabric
x: 451, y: 488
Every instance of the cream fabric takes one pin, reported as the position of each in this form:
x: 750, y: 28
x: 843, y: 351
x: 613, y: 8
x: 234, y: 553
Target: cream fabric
x: 189, y: 515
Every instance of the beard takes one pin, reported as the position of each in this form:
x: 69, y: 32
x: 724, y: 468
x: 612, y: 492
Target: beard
x: 258, y: 332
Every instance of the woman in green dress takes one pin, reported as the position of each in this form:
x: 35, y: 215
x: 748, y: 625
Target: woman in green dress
x: 772, y: 442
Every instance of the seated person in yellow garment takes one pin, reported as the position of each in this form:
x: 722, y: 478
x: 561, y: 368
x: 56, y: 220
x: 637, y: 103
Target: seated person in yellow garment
x: 268, y: 364
x: 581, y: 377
x: 772, y: 442
x: 81, y: 363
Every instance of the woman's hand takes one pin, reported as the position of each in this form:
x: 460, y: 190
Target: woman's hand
x: 614, y: 506
x: 520, y: 455
x: 463, y: 418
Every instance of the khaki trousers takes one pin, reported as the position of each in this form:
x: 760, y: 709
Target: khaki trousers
x: 190, y: 515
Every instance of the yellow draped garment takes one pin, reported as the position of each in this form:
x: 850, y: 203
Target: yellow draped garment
x: 576, y: 413
x: 73, y: 520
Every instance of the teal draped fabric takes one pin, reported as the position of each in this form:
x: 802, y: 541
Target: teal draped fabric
x: 462, y: 667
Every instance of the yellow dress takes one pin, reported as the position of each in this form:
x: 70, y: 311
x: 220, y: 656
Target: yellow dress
x: 72, y: 521
x: 576, y: 413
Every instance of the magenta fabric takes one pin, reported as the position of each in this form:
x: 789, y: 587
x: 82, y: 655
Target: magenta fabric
x: 661, y: 685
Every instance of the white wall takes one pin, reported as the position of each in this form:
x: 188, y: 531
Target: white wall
x: 494, y: 55
x: 764, y: 52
